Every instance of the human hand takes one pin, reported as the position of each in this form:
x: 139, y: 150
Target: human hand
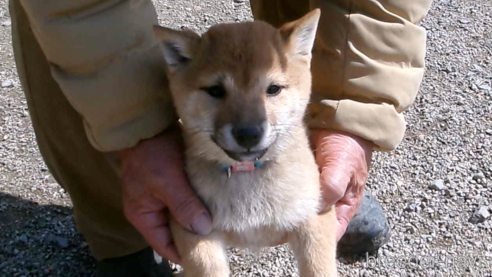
x: 344, y: 161
x: 154, y: 183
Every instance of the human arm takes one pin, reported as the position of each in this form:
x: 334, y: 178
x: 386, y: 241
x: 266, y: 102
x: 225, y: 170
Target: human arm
x: 368, y: 64
x: 106, y: 61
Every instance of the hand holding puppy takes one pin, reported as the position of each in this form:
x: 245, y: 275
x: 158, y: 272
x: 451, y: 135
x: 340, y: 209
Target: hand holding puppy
x: 344, y: 161
x: 154, y: 183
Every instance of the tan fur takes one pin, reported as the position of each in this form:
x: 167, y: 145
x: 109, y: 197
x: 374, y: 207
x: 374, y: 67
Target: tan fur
x: 278, y: 201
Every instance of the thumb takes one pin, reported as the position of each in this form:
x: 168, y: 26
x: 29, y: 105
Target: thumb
x: 347, y: 207
x: 344, y: 215
x: 334, y: 182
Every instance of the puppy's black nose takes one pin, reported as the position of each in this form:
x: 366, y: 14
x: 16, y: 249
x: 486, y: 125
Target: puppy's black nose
x: 248, y: 136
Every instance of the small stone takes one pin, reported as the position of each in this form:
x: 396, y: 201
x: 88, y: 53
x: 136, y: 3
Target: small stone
x: 239, y: 1
x: 23, y: 238
x: 477, y: 68
x: 411, y: 208
x: 62, y: 242
x: 7, y: 23
x: 480, y: 215
x: 464, y: 21
x: 429, y: 210
x: 485, y: 87
x: 242, y: 253
x: 437, y: 185
x: 478, y: 176
x: 7, y: 84
x: 488, y: 132
x: 50, y: 238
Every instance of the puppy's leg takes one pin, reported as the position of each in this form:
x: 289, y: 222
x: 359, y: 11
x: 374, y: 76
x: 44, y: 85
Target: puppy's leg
x: 314, y: 245
x: 202, y: 256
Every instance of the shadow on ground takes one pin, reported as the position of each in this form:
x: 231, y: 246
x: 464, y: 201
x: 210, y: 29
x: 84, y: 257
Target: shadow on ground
x: 41, y: 238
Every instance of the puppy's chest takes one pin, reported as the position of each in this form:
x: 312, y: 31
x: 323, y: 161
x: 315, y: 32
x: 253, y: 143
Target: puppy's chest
x: 247, y: 202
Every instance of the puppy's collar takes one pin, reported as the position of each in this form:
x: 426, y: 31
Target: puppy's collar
x: 242, y: 167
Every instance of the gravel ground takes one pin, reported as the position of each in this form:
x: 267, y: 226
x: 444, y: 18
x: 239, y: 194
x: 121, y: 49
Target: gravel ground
x: 436, y: 188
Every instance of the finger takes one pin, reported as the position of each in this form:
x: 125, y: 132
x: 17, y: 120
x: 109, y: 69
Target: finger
x: 334, y: 182
x: 155, y: 230
x: 184, y: 205
x: 180, y: 198
x: 336, y: 171
x: 347, y: 207
x: 345, y: 213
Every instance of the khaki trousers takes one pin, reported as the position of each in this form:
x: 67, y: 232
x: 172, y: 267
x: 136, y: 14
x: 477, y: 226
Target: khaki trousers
x: 91, y: 177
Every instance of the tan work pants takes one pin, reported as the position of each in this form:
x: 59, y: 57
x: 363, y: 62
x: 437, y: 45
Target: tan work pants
x: 90, y: 177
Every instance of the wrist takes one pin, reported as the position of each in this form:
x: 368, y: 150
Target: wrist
x: 329, y: 138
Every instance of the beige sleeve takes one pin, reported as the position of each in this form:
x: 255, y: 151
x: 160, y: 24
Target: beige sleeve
x: 368, y: 64
x: 106, y: 61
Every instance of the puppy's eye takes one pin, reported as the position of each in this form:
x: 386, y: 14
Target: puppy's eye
x: 215, y: 91
x: 273, y: 90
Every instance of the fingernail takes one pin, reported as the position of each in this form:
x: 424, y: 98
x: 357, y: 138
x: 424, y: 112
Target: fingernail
x: 202, y: 225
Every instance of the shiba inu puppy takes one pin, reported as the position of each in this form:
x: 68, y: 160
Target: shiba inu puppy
x: 241, y: 91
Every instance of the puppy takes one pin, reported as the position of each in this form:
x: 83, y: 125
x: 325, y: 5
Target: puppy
x: 241, y: 91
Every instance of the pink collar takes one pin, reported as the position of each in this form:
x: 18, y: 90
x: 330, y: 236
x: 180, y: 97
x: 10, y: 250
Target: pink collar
x: 242, y: 167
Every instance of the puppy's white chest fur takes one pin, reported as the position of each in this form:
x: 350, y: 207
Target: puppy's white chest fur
x: 256, y: 208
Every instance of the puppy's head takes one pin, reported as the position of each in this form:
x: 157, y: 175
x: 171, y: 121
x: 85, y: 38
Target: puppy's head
x: 241, y: 88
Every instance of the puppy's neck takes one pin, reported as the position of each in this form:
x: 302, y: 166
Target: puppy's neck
x: 288, y: 146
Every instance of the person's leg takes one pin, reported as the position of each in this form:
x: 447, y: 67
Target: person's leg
x: 89, y: 176
x: 369, y: 228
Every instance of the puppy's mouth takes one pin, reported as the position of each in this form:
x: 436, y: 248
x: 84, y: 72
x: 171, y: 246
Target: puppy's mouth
x: 246, y: 156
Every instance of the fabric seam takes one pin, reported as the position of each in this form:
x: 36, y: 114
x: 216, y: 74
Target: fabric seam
x: 345, y: 52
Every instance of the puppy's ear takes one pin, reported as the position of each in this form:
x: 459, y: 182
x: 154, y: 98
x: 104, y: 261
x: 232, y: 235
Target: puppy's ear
x: 299, y: 35
x: 178, y: 46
